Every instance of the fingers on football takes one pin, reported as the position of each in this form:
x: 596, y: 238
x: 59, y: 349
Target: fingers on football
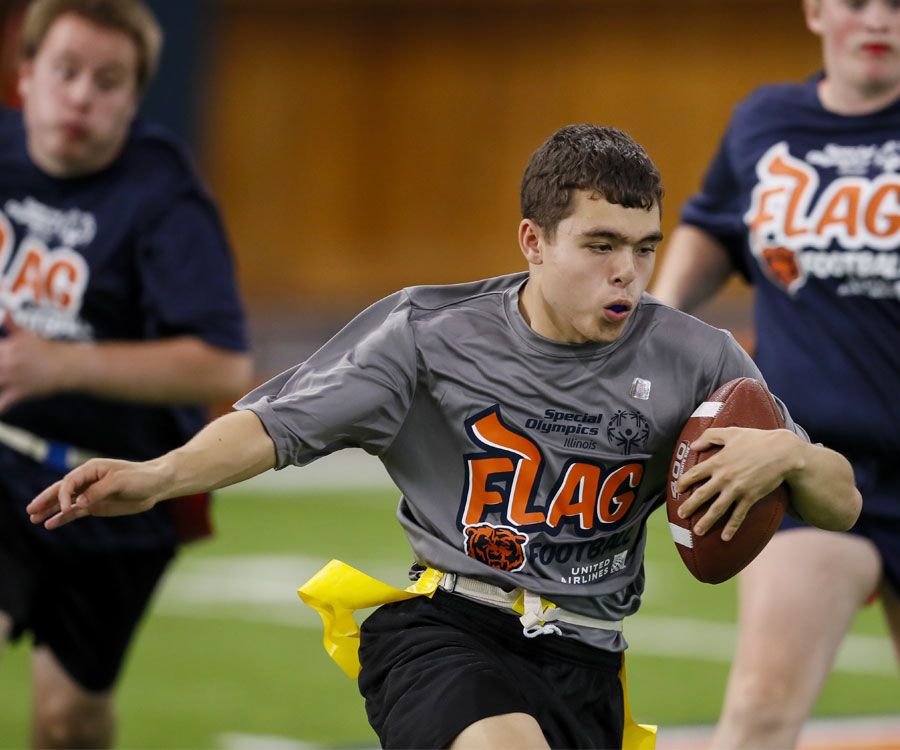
x: 698, y: 477
x: 735, y: 520
x: 717, y: 509
x: 715, y: 437
x: 693, y: 476
x: 711, y: 487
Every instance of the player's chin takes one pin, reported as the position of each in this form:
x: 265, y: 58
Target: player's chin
x: 76, y: 162
x: 878, y: 74
x: 606, y: 332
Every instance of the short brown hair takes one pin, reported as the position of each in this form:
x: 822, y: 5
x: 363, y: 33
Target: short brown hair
x: 131, y: 16
x: 587, y: 157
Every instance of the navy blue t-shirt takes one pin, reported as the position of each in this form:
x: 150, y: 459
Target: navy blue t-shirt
x: 807, y: 203
x: 135, y: 252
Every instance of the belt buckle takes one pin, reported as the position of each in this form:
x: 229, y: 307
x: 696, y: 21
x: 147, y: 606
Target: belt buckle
x: 537, y: 619
x: 448, y: 582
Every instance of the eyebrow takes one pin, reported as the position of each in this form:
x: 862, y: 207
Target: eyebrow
x: 609, y: 234
x: 113, y: 66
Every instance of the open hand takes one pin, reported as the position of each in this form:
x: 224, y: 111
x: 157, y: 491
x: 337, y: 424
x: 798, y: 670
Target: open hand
x: 100, y: 487
x: 29, y: 364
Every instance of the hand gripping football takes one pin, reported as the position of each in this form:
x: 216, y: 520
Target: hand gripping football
x: 743, y: 402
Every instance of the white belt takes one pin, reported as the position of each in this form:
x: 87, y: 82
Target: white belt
x: 56, y: 455
x: 538, y: 614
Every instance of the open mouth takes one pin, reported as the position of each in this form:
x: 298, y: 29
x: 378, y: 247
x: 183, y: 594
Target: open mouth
x: 617, y: 311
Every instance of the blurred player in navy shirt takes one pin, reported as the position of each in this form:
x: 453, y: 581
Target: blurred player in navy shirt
x: 121, y: 319
x: 802, y: 199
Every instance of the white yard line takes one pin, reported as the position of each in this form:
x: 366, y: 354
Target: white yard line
x: 865, y: 733
x: 262, y: 588
x: 714, y: 641
x: 239, y: 741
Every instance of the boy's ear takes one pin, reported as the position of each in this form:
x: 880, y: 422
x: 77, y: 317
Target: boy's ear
x: 531, y: 241
x: 23, y: 82
x: 812, y: 9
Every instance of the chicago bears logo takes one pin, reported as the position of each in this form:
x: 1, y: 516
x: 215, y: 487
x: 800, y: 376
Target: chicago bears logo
x: 500, y: 547
x: 782, y: 265
x: 628, y: 431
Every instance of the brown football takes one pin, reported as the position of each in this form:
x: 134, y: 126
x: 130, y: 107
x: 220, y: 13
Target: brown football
x: 743, y: 402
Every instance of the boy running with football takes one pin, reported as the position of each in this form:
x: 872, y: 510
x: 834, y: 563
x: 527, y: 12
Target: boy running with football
x: 529, y: 421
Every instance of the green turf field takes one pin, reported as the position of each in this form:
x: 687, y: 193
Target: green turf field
x: 230, y: 652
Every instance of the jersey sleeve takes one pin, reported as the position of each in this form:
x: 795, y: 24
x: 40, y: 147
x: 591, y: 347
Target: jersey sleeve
x: 354, y: 392
x: 187, y: 275
x: 716, y: 209
x: 734, y: 362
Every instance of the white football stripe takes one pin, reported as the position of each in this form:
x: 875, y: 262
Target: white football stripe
x: 707, y: 409
x: 681, y: 535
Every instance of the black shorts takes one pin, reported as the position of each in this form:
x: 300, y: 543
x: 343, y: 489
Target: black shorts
x: 432, y: 667
x: 83, y: 606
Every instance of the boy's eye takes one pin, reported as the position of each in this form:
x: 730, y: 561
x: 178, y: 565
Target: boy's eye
x: 108, y: 83
x: 65, y: 71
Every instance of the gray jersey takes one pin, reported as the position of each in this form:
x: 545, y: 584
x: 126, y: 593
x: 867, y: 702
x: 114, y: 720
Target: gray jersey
x: 522, y: 461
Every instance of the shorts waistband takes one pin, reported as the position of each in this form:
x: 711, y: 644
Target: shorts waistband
x: 502, y: 626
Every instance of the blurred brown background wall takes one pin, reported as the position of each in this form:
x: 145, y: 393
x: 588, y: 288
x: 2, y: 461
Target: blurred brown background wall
x: 358, y: 146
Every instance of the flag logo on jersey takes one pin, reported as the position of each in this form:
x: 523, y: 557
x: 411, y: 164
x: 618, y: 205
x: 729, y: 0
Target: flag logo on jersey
x: 508, y: 522
x: 803, y: 226
x: 45, y: 285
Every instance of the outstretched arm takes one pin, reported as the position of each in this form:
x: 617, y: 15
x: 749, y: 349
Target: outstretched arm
x: 695, y: 265
x: 229, y: 450
x: 179, y: 370
x: 752, y: 463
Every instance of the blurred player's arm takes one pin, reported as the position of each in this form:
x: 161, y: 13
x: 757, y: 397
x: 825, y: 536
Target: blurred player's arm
x: 695, y: 266
x: 752, y: 463
x: 183, y: 369
x: 230, y: 449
